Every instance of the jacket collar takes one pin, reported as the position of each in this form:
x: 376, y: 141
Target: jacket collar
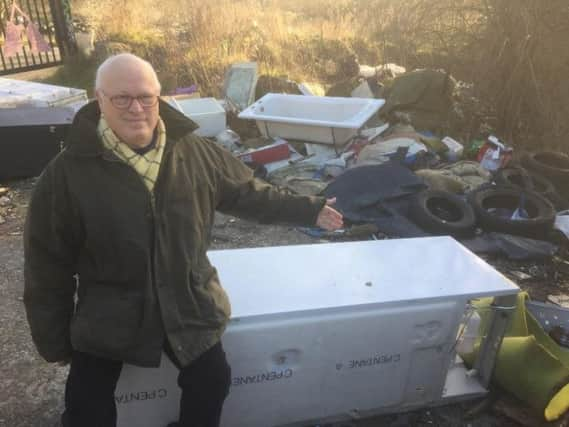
x: 83, y: 140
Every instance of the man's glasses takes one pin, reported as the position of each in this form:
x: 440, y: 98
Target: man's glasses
x: 123, y: 102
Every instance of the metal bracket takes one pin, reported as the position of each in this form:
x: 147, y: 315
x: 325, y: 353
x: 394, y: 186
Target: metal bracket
x: 502, y: 311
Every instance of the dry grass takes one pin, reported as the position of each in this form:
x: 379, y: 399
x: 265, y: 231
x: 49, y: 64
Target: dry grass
x: 515, y: 51
x: 527, y: 64
x: 193, y: 41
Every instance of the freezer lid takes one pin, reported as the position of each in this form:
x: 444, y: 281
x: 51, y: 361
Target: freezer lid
x: 19, y: 93
x: 266, y: 281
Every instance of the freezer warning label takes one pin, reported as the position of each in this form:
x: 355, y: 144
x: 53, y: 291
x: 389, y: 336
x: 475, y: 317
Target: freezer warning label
x: 373, y: 360
x: 262, y: 377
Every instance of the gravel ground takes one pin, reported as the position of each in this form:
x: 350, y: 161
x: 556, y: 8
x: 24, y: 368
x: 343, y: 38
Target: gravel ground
x: 31, y: 390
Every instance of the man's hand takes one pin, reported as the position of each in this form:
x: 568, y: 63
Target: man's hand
x: 329, y: 218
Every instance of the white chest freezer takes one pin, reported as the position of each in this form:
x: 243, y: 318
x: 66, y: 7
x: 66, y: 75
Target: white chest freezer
x: 21, y: 93
x: 34, y: 121
x: 333, y: 331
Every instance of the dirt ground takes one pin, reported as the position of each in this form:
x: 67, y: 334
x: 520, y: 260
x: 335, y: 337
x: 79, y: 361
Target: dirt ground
x: 31, y: 390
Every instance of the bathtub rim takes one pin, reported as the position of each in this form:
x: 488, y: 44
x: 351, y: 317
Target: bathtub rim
x: 370, y: 107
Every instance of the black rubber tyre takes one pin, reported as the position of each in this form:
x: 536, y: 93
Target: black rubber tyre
x: 514, y: 176
x: 540, y: 184
x: 541, y: 212
x: 550, y: 164
x: 545, y: 188
x: 442, y: 213
x: 531, y: 181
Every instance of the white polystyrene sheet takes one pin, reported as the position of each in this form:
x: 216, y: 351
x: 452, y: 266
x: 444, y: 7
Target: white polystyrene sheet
x: 266, y: 281
x: 324, y: 111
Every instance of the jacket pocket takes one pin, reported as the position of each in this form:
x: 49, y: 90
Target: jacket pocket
x: 207, y: 302
x: 107, y: 320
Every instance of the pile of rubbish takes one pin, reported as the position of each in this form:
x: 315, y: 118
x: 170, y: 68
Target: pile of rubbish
x: 380, y: 152
x: 382, y: 144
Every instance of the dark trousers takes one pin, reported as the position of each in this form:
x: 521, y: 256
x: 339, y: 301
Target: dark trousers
x: 90, y: 400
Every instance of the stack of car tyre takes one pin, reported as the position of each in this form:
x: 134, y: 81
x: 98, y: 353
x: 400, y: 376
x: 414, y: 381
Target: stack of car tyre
x: 538, y: 191
x: 552, y: 166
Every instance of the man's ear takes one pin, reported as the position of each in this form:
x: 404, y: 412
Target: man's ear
x: 99, y: 97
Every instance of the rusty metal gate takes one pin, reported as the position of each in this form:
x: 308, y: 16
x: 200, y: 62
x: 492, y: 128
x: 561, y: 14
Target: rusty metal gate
x: 52, y: 19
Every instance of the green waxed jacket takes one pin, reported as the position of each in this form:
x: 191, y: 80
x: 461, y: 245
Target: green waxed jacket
x: 113, y: 270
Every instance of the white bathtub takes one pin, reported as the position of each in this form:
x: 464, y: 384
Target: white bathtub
x: 322, y: 119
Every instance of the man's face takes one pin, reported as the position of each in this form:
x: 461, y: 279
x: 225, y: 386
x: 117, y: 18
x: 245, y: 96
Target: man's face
x: 133, y: 122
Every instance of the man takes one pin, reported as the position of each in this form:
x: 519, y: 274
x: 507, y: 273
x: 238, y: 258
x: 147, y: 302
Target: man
x: 115, y: 247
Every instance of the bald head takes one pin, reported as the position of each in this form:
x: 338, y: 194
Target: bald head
x: 127, y: 90
x: 121, y: 64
